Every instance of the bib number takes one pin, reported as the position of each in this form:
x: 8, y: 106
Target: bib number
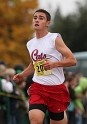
x: 40, y: 71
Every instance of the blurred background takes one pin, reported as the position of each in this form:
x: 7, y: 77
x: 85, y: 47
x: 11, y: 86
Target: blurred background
x: 68, y: 18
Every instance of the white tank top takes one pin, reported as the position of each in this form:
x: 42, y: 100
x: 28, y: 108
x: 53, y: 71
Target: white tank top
x: 44, y: 48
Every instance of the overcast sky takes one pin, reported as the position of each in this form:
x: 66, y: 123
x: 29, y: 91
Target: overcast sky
x: 66, y: 6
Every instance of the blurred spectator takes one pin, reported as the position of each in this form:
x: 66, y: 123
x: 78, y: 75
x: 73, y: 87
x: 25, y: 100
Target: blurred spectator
x: 3, y: 63
x: 9, y: 73
x: 80, y: 89
x: 78, y: 76
x: 18, y: 68
x: 22, y: 107
x: 85, y: 106
x: 28, y: 84
x: 5, y: 87
x: 23, y: 103
x: 70, y: 82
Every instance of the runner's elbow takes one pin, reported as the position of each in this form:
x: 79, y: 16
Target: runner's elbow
x: 74, y: 62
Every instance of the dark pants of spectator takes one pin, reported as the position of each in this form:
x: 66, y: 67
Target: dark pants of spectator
x: 2, y: 116
x: 20, y: 118
x: 71, y: 117
x: 12, y: 120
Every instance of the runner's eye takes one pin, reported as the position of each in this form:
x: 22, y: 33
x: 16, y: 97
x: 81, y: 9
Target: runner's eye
x: 41, y: 18
x: 35, y: 18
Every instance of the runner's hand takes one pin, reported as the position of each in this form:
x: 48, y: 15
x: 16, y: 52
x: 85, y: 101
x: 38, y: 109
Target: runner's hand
x: 18, y: 77
x: 48, y: 65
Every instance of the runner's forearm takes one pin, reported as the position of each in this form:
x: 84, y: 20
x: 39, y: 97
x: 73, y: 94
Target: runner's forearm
x: 28, y: 71
x: 65, y: 63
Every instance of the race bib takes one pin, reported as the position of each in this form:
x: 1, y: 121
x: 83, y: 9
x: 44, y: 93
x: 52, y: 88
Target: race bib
x: 40, y: 71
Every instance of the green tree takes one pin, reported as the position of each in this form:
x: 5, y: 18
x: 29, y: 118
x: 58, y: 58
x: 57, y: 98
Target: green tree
x: 15, y: 29
x: 72, y: 27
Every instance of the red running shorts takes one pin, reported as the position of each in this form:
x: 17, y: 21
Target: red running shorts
x: 55, y: 97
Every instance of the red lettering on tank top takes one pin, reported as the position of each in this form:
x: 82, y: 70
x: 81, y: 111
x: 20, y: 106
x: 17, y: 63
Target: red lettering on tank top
x: 36, y: 57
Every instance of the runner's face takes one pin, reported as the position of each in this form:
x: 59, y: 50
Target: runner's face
x: 40, y: 21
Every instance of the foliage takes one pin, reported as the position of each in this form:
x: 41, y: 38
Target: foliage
x: 72, y: 27
x: 16, y: 30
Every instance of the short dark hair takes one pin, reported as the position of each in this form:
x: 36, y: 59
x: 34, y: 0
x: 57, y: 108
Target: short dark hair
x: 48, y: 16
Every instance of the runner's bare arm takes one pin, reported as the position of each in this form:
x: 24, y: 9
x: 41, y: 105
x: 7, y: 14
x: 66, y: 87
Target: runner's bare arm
x: 29, y: 70
x: 65, y: 51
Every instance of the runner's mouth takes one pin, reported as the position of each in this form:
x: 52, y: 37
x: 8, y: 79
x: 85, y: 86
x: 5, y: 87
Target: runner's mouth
x: 36, y: 24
